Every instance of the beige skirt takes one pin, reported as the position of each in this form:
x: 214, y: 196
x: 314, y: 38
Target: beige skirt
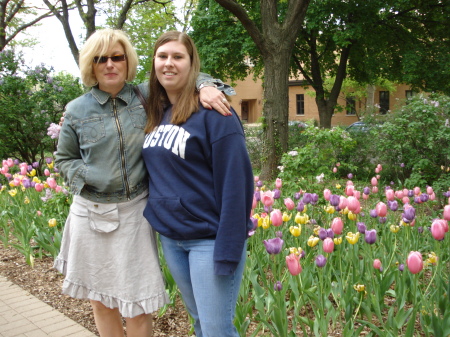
x: 109, y: 254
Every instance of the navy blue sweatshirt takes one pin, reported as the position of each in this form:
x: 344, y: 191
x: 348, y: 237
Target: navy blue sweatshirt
x: 201, y: 183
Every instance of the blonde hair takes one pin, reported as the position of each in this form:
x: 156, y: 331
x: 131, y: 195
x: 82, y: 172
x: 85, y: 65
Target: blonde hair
x: 97, y: 45
x: 187, y: 103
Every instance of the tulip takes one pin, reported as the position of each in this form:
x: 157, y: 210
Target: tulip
x: 351, y: 216
x: 438, y: 229
x: 300, y: 206
x: 377, y: 264
x: 278, y: 183
x: 359, y: 288
x: 337, y: 241
x: 334, y: 169
x: 357, y: 194
x: 293, y: 264
x: 394, y: 228
x: 374, y: 189
x: 416, y: 190
x: 290, y: 205
x: 414, y: 262
x: 52, y: 223
x: 361, y: 227
x: 353, y: 205
x: 327, y: 194
x: 330, y: 233
x: 409, y: 213
x: 424, y: 197
x: 297, y: 195
x: 350, y: 176
x: 51, y: 182
x: 337, y: 225
x: 295, y: 230
x: 39, y: 187
x: 314, y: 198
x: 334, y: 200
x: 401, y: 267
x: 322, y: 233
x: 273, y: 246
x: 312, y: 241
x: 328, y: 245
x: 374, y: 181
x: 321, y: 260
x: 382, y: 219
x: 390, y: 195
x: 329, y: 209
x: 301, y: 219
x: 276, y: 218
x: 286, y: 217
x: 256, y: 178
x: 381, y: 209
x: 276, y: 193
x: 278, y: 286
x: 12, y: 192
x: 393, y: 205
x: 267, y: 198
x: 352, y: 238
x: 370, y: 236
x: 447, y: 212
x: 349, y: 190
x: 307, y: 198
x: 342, y: 202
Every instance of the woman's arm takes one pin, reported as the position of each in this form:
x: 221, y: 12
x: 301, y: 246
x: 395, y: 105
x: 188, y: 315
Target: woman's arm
x: 212, y: 93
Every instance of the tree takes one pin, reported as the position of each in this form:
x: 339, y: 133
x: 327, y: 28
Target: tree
x: 30, y: 100
x: 273, y: 27
x: 15, y: 17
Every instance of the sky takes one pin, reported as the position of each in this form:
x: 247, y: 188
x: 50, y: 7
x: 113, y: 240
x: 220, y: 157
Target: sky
x: 52, y: 48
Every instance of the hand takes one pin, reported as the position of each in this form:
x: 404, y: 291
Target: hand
x: 211, y: 97
x: 61, y: 120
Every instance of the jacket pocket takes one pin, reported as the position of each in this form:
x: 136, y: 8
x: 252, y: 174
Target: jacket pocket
x: 138, y: 116
x: 92, y: 130
x: 103, y: 218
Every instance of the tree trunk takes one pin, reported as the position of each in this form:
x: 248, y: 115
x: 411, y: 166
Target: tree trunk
x: 275, y: 116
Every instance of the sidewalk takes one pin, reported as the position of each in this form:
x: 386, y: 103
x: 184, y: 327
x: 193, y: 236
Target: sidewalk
x: 22, y: 314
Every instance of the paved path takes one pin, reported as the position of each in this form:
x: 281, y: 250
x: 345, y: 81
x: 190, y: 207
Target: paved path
x: 22, y: 314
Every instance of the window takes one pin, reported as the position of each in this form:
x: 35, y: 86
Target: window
x: 300, y: 103
x: 350, y: 107
x: 384, y: 102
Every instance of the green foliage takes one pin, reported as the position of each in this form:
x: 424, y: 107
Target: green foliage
x: 30, y: 100
x: 319, y: 153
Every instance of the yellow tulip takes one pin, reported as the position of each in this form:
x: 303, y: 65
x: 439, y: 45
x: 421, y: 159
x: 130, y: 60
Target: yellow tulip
x: 338, y: 240
x: 36, y: 180
x: 52, y: 222
x: 295, y: 230
x: 301, y: 219
x: 329, y: 209
x: 351, y: 215
x: 338, y: 186
x: 27, y: 200
x: 12, y: 192
x: 359, y: 287
x: 50, y: 166
x: 352, y: 238
x: 312, y: 241
x: 32, y: 173
x: 286, y: 217
x: 3, y: 188
x: 295, y: 251
x: 316, y: 229
x: 11, y: 183
x: 305, y: 208
x: 265, y: 222
x: 394, y: 228
x: 432, y: 258
x: 345, y: 211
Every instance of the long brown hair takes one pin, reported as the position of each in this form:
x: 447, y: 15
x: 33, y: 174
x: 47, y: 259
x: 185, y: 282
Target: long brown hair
x: 187, y: 103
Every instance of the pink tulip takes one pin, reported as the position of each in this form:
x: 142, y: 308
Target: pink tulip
x: 290, y: 205
x: 267, y: 198
x: 379, y: 167
x: 365, y: 196
x: 377, y: 170
x: 293, y: 264
x: 337, y: 225
x: 342, y: 202
x: 16, y: 181
x: 438, y: 229
x: 353, y: 205
x: 23, y: 169
x: 334, y: 169
x: 429, y: 190
x: 381, y: 209
x: 39, y: 213
x: 374, y: 181
x: 357, y: 194
x: 399, y: 194
x: 349, y: 190
x: 47, y: 172
x: 276, y: 217
x: 59, y: 189
x: 51, y: 182
x: 278, y: 183
x: 447, y: 212
x: 254, y: 202
x: 328, y: 245
x: 390, y: 194
x: 9, y: 162
x: 374, y: 189
x: 432, y: 196
x: 256, y: 178
x: 405, y: 200
x: 414, y: 262
x: 377, y: 264
x: 326, y: 194
x: 416, y: 190
x: 39, y: 187
x: 378, y: 176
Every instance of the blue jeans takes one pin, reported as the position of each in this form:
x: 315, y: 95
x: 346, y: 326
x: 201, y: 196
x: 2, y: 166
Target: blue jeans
x: 210, y: 299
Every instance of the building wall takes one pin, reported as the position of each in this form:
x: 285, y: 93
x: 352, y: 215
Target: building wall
x: 248, y: 102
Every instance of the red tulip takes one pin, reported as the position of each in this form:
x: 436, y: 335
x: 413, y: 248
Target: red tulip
x: 414, y: 262
x: 381, y: 209
x: 447, y: 212
x: 293, y: 264
x: 337, y: 225
x: 328, y: 245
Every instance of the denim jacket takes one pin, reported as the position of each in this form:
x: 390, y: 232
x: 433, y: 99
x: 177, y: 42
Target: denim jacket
x: 99, y: 146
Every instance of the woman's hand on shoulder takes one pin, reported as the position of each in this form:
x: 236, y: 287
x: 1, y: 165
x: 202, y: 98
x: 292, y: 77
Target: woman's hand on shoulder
x: 211, y: 97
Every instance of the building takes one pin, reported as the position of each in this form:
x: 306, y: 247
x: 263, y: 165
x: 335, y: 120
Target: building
x: 248, y: 102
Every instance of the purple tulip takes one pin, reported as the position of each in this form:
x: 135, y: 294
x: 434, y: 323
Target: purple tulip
x: 302, y: 254
x: 16, y: 162
x: 350, y: 176
x: 26, y: 183
x: 321, y: 260
x: 417, y: 200
x: 259, y: 183
x: 402, y: 165
x: 370, y: 236
x: 334, y: 200
x: 297, y: 195
x: 366, y: 190
x: 330, y: 233
x: 420, y: 229
x: 314, y: 198
x: 322, y: 233
x: 307, y: 198
x: 279, y: 234
x: 373, y: 213
x: 361, y: 227
x: 393, y: 205
x: 446, y: 194
x: 410, y: 193
x: 278, y: 286
x: 300, y: 206
x: 254, y: 222
x: 401, y: 267
x: 48, y: 160
x: 382, y: 219
x: 424, y: 197
x: 273, y: 246
x: 257, y: 195
x: 312, y: 222
x: 409, y: 214
x: 29, y: 168
x: 267, y: 209
x: 276, y: 193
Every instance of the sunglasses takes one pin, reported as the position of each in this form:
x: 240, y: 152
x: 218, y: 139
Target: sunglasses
x: 104, y: 59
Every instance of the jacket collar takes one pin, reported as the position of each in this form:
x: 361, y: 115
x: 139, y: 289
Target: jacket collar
x: 102, y: 97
